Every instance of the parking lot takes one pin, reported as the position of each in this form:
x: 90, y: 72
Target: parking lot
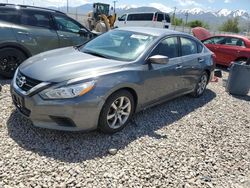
x: 186, y: 142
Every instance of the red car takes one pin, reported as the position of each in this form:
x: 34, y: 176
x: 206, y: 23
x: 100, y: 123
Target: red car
x: 227, y: 48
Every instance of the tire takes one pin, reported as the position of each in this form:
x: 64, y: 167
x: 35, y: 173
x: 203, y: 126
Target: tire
x: 200, y: 86
x: 10, y: 59
x: 112, y: 120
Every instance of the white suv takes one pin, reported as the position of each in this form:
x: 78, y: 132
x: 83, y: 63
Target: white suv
x: 144, y: 19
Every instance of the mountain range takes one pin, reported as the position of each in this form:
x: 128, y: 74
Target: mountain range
x: 212, y: 17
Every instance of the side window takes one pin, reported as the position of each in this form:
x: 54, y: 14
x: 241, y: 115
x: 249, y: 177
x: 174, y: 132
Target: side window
x: 160, y: 17
x: 34, y: 18
x: 167, y: 18
x: 220, y: 40
x: 240, y: 43
x: 188, y: 47
x: 140, y: 17
x: 168, y: 47
x: 200, y: 48
x: 231, y: 41
x: 66, y: 24
x: 215, y: 40
x: 122, y: 18
x: 9, y: 15
x: 234, y: 42
x: 209, y: 41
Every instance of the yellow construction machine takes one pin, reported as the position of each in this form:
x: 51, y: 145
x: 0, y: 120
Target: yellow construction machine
x: 99, y: 19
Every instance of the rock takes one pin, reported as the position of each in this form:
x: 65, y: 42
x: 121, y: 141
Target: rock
x: 112, y: 151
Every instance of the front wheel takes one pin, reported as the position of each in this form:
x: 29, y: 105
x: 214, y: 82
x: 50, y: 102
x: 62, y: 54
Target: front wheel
x: 201, y: 85
x: 10, y: 59
x: 116, y: 112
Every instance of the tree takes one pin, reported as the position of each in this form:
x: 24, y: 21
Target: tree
x: 231, y: 25
x: 177, y: 21
x: 198, y: 23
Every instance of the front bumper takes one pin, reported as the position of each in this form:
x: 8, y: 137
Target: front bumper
x: 77, y: 114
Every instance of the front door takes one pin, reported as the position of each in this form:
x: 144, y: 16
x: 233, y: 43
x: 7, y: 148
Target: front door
x: 163, y: 79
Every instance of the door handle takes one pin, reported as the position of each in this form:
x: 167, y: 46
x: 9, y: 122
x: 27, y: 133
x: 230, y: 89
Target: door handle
x: 23, y: 33
x: 200, y: 60
x: 178, y: 67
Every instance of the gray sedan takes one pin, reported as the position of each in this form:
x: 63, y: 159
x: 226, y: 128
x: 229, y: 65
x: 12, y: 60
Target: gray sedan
x: 102, y: 83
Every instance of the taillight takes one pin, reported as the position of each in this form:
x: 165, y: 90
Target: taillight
x: 155, y: 18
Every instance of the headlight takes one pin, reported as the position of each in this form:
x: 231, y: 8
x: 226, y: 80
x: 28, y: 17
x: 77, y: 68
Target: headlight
x: 67, y: 92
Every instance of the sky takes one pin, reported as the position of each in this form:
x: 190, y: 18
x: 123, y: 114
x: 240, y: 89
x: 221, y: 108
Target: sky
x: 163, y: 4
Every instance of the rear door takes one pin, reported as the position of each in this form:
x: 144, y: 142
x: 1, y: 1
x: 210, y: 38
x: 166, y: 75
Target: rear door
x: 68, y: 31
x: 36, y: 32
x: 192, y: 63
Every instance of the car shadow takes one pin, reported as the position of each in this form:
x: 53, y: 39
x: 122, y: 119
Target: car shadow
x: 4, y: 81
x: 245, y: 98
x: 222, y: 67
x: 77, y: 146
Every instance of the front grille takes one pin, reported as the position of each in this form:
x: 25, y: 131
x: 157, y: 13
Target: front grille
x: 24, y: 82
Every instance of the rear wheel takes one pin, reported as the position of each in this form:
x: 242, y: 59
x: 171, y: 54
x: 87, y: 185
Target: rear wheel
x: 116, y: 112
x: 201, y: 85
x: 10, y: 59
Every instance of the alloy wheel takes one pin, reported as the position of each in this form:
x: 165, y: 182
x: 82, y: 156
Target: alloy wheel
x: 119, y: 112
x: 202, y: 84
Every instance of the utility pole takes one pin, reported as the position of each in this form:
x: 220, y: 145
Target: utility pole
x: 114, y: 5
x: 248, y: 28
x: 174, y: 17
x: 186, y: 15
x: 67, y: 6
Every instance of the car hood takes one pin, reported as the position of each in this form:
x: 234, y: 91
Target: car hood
x: 201, y: 33
x: 67, y: 63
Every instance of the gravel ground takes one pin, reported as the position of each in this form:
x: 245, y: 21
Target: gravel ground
x: 186, y: 142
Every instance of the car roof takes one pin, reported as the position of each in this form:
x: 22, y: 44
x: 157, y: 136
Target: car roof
x: 231, y: 35
x: 17, y: 6
x: 153, y: 31
x: 153, y: 12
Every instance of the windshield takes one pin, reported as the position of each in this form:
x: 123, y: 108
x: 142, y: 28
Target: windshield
x: 119, y: 45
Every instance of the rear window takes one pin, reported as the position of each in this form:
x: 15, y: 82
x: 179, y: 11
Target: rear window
x: 140, y: 17
x: 188, y: 47
x: 35, y: 18
x: 9, y: 15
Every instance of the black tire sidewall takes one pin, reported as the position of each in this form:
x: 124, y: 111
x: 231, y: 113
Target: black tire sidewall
x: 14, y: 52
x: 103, y: 124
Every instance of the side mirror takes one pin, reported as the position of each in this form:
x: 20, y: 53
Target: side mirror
x: 218, y: 73
x: 82, y: 31
x: 158, y: 59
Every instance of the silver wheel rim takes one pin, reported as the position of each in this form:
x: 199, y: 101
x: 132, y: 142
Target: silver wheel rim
x: 119, y: 112
x: 202, y: 84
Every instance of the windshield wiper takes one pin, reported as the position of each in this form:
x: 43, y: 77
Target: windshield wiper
x: 95, y: 54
